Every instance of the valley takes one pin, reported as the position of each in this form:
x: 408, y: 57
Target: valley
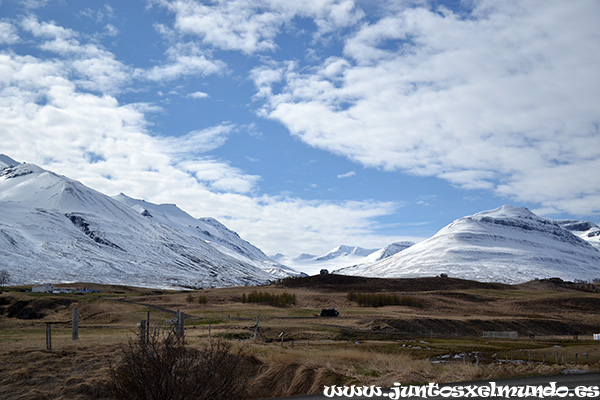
x: 440, y: 337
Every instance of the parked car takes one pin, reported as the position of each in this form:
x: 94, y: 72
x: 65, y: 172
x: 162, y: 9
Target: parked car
x: 329, y: 312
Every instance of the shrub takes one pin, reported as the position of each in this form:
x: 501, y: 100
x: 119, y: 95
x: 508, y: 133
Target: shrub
x: 165, y: 369
x: 278, y: 300
x: 383, y: 299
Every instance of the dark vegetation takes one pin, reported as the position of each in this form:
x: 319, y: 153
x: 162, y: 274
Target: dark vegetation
x: 346, y: 283
x: 383, y: 299
x: 164, y: 368
x: 31, y: 308
x: 277, y: 300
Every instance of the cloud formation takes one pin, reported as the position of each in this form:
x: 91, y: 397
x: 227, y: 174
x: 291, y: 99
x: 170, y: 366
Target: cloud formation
x: 8, y: 33
x: 348, y: 174
x: 503, y: 98
x: 60, y: 110
x: 250, y: 26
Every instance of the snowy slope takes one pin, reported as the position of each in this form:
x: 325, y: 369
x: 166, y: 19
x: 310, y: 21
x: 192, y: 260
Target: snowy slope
x: 507, y: 244
x: 54, y: 229
x: 587, y: 231
x: 341, y: 257
x: 338, y: 257
x: 209, y: 230
x: 345, y: 252
x: 6, y: 161
x: 387, y: 251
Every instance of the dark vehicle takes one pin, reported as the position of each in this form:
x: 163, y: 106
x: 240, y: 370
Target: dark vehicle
x: 329, y: 312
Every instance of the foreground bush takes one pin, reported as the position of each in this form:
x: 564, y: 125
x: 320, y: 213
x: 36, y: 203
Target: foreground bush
x: 166, y: 369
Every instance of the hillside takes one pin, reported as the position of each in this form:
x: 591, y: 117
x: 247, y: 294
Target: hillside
x: 508, y: 244
x: 56, y: 229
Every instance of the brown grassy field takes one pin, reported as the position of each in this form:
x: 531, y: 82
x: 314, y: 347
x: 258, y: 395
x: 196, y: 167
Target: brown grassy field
x: 438, y: 338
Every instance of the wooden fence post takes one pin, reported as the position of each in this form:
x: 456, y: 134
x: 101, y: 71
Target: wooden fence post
x: 256, y: 327
x: 148, y: 327
x: 180, y: 327
x: 48, y: 336
x: 143, y: 332
x: 75, y: 335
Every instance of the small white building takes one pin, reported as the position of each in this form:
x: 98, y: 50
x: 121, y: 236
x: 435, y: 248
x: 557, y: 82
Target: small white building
x: 43, y: 288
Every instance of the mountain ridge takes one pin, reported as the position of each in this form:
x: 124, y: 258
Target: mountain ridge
x: 507, y: 244
x: 55, y: 229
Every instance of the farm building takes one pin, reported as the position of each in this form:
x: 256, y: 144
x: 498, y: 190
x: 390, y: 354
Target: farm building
x: 43, y: 288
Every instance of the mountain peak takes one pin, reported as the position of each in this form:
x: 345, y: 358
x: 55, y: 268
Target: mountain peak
x: 344, y: 250
x: 6, y: 161
x: 507, y: 211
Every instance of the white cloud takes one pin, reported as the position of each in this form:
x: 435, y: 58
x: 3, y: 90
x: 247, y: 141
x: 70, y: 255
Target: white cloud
x: 47, y: 117
x: 347, y: 175
x: 94, y: 67
x: 218, y: 175
x: 250, y: 26
x: 33, y: 4
x: 8, y: 33
x: 184, y: 60
x: 504, y: 99
x: 198, y: 95
x: 183, y: 65
x: 199, y: 141
x: 111, y: 30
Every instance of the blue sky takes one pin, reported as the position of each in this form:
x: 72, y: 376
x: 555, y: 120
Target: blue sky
x: 304, y: 125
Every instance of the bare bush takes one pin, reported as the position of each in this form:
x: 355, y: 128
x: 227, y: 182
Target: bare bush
x: 4, y: 278
x: 166, y: 369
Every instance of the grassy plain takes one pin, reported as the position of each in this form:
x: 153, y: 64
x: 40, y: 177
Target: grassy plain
x: 439, y: 339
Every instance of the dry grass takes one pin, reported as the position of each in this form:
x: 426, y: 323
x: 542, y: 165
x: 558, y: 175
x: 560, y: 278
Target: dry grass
x: 363, y: 346
x: 75, y: 372
x: 287, y: 372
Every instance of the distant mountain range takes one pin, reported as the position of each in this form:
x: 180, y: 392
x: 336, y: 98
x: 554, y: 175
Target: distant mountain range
x: 55, y: 229
x: 341, y: 256
x: 587, y: 231
x: 508, y: 244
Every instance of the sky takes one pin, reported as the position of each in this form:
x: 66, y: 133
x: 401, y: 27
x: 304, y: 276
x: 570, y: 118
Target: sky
x: 303, y: 125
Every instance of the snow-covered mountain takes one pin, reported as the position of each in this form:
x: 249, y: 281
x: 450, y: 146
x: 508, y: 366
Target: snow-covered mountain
x: 55, y: 229
x: 507, y: 244
x: 387, y: 251
x: 304, y: 256
x: 340, y: 257
x: 345, y: 252
x: 588, y: 231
